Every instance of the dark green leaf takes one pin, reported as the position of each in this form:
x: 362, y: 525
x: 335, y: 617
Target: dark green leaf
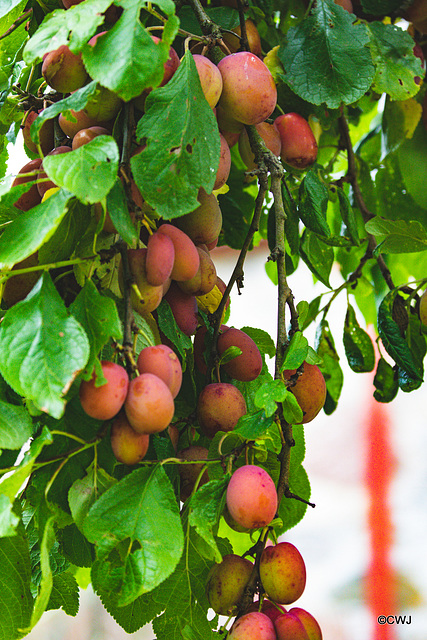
x: 85, y: 491
x: 168, y: 326
x: 182, y: 143
x: 394, y: 343
x: 307, y: 312
x: 313, y: 196
x: 255, y: 425
x: 74, y: 546
x: 400, y: 119
x: 42, y: 348
x: 385, y: 382
x: 225, y: 17
x: 292, y: 412
x: 358, y: 346
x: 292, y: 511
x: 230, y: 354
x: 325, y: 57
x: 64, y: 594
x: 412, y: 156
x: 330, y: 367
x: 381, y: 7
x: 348, y: 217
x: 262, y: 339
x: 16, y: 601
x: 119, y: 213
x: 318, y: 256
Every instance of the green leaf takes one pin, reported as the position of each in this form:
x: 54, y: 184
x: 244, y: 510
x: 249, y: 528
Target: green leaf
x: 397, y: 236
x: 45, y: 587
x: 206, y: 508
x: 72, y: 27
x: 358, y: 346
x: 313, y: 196
x: 76, y: 101
x: 325, y: 57
x: 119, y: 213
x: 85, y: 491
x: 42, y: 349
x: 252, y: 426
x: 168, y: 326
x: 225, y: 17
x: 269, y: 394
x: 62, y: 244
x: 400, y: 119
x: 140, y: 64
x: 141, y: 508
x: 98, y: 316
x: 9, y: 521
x: 348, y: 216
x: 392, y: 339
x: 381, y: 7
x: 318, y: 256
x: 385, y: 382
x: 182, y: 152
x: 292, y: 511
x: 296, y: 352
x: 307, y: 312
x: 31, y: 229
x: 64, y: 594
x: 16, y: 602
x: 75, y: 547
x: 89, y: 172
x: 148, y: 332
x: 398, y: 69
x: 292, y: 412
x: 230, y: 354
x: 16, y: 426
x: 412, y: 156
x: 330, y: 367
x: 262, y: 339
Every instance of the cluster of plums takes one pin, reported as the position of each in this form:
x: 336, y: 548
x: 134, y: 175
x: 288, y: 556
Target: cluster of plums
x: 138, y: 407
x: 251, y: 503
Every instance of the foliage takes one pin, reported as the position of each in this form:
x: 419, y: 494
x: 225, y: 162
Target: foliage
x: 66, y: 502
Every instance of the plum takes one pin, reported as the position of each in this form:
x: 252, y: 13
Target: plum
x: 149, y: 405
x: 309, y: 390
x: 219, y: 407
x: 282, y: 572
x: 129, y: 447
x: 226, y: 583
x: 105, y: 401
x: 251, y: 497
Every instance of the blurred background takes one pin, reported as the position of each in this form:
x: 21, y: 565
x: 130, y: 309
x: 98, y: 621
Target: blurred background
x: 364, y: 544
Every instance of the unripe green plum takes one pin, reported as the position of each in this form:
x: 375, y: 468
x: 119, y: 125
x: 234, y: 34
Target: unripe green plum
x: 184, y: 309
x: 226, y: 583
x: 422, y: 309
x: 309, y: 623
x: 32, y: 197
x: 282, y: 572
x: 309, y: 390
x: 219, y: 407
x: 160, y: 258
x: 271, y: 137
x: 210, y: 79
x: 186, y: 260
x: 205, y: 278
x: 188, y: 473
x: 105, y: 401
x: 164, y: 363
x: 64, y: 70
x: 149, y: 297
x: 18, y: 287
x: 49, y: 184
x: 203, y: 225
x: 149, y: 404
x: 299, y: 146
x: 252, y: 626
x: 46, y: 134
x: 251, y: 497
x: 247, y: 366
x: 84, y: 136
x: 289, y: 627
x: 129, y: 447
x: 103, y: 105
x: 249, y: 94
